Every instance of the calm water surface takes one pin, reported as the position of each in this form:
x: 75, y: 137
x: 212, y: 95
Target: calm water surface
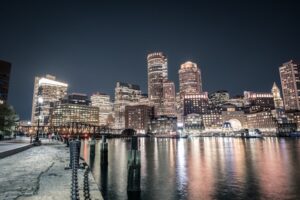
x: 202, y: 168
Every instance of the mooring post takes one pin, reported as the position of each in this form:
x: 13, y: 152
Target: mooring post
x: 104, y: 151
x: 92, y: 149
x: 74, y: 164
x: 92, y: 153
x: 74, y: 152
x: 67, y: 142
x: 134, y: 167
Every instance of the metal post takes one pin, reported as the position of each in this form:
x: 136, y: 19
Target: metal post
x: 74, y: 164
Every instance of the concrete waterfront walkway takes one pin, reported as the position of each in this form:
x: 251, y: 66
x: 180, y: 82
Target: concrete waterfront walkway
x: 11, y: 147
x: 38, y: 173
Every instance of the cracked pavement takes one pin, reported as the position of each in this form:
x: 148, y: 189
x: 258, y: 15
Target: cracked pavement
x: 38, y: 173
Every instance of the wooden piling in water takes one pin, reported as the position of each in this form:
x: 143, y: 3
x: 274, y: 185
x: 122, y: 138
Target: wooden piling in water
x: 134, y: 167
x: 104, y: 151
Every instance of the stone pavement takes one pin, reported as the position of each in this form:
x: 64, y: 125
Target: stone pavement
x: 38, y: 173
x: 10, y: 146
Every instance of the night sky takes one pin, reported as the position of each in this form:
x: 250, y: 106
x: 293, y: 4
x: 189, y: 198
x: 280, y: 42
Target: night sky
x: 93, y: 44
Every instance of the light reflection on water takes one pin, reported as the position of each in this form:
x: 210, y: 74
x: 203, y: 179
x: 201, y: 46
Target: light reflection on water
x: 202, y: 168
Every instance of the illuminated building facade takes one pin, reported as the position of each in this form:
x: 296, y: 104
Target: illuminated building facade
x: 257, y: 102
x: 290, y: 83
x: 5, y: 68
x: 157, y: 74
x: 210, y: 116
x: 138, y: 117
x: 193, y: 123
x: 102, y: 101
x: 189, y: 79
x: 264, y: 121
x: 278, y: 103
x: 238, y: 101
x: 212, y: 120
x: 51, y: 91
x: 233, y: 115
x: 195, y: 103
x: 125, y: 94
x: 74, y: 108
x: 144, y: 100
x: 169, y: 99
x: 163, y: 125
x: 218, y: 98
x: 189, y: 84
x: 294, y: 117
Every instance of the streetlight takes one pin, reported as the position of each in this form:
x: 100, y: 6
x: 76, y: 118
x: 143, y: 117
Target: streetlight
x: 40, y: 101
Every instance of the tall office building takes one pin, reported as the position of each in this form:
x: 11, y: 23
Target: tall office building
x: 157, y: 74
x: 51, y: 91
x: 102, y: 101
x: 189, y: 79
x: 5, y: 68
x: 169, y: 99
x: 74, y: 108
x: 189, y: 84
x: 138, y: 117
x: 125, y: 94
x: 277, y: 96
x: 290, y: 83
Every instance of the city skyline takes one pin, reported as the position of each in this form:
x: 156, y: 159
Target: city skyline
x: 246, y: 59
x: 177, y: 89
x: 147, y: 100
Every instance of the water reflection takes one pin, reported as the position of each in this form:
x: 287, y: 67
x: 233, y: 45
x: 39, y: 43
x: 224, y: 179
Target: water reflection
x: 202, y: 168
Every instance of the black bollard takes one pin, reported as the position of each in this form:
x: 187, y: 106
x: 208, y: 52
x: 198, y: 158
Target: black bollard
x: 104, y: 151
x: 74, y: 152
x: 74, y: 164
x: 86, y: 188
x: 134, y: 168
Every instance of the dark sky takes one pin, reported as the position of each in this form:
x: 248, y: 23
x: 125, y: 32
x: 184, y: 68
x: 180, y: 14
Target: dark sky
x: 92, y: 44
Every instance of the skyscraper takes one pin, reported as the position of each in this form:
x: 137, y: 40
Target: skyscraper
x: 51, y: 91
x: 189, y: 79
x: 189, y: 83
x: 5, y: 68
x: 157, y: 74
x: 102, y: 101
x: 125, y: 94
x: 277, y: 96
x: 290, y: 83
